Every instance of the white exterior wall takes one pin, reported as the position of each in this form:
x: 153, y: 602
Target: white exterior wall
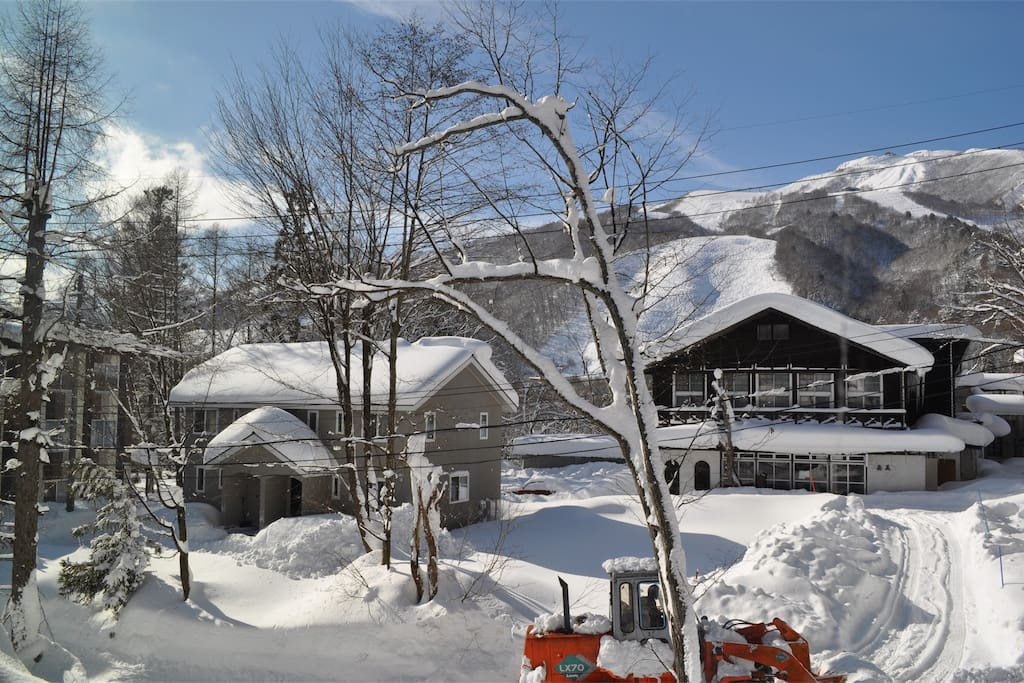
x: 905, y: 473
x: 688, y: 459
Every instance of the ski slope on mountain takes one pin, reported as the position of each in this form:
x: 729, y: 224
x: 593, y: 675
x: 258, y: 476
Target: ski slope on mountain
x: 894, y: 587
x: 985, y: 182
x: 685, y: 279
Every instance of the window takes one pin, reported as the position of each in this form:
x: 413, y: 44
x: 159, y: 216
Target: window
x: 105, y: 374
x: 864, y: 392
x: 736, y: 385
x: 339, y: 423
x: 458, y: 487
x: 773, y: 331
x: 104, y: 433
x: 814, y: 390
x: 688, y: 389
x: 773, y: 390
x: 201, y: 421
x: 200, y: 480
x: 484, y: 424
x: 220, y: 478
x: 847, y: 477
x: 312, y: 419
x: 745, y: 468
x: 379, y: 425
x: 774, y: 475
x: 652, y: 617
x: 430, y: 425
x: 625, y: 607
x: 810, y: 473
x: 336, y: 486
x: 58, y: 417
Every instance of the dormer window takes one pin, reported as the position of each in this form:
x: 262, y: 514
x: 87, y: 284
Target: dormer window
x: 772, y: 331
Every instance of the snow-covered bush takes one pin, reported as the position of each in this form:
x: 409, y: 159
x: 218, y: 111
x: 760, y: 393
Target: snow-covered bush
x: 117, y: 557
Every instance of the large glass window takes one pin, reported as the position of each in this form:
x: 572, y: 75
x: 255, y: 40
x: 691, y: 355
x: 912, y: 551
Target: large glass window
x: 847, y: 477
x: 773, y: 390
x: 864, y: 392
x: 737, y: 386
x: 815, y: 390
x: 774, y: 474
x: 810, y: 473
x: 688, y: 389
x: 746, y: 469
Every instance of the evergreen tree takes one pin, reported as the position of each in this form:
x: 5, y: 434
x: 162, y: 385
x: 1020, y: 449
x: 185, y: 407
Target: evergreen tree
x: 117, y: 559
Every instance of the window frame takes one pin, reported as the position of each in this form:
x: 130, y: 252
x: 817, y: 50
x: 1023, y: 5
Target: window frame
x: 763, y: 399
x: 313, y: 420
x: 729, y: 378
x: 196, y: 413
x: 461, y: 489
x: 430, y: 425
x: 815, y: 385
x: 484, y: 424
x: 857, y: 390
x: 200, y: 479
x: 680, y: 395
x: 95, y: 431
x: 336, y: 486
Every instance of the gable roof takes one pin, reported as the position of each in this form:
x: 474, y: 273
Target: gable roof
x: 280, y: 433
x: 880, y: 341
x: 301, y: 374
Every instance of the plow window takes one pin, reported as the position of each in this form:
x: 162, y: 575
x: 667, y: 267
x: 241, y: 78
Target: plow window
x: 625, y: 607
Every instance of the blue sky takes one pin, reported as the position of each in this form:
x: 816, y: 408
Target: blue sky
x: 782, y: 81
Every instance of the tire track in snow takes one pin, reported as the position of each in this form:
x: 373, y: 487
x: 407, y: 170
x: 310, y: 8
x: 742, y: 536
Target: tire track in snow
x: 922, y: 638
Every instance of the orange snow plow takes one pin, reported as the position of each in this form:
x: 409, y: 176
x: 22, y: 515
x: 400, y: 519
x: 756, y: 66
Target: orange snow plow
x: 632, y: 644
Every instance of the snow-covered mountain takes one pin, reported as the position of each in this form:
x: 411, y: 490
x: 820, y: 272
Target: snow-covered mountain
x: 977, y: 186
x: 884, y: 239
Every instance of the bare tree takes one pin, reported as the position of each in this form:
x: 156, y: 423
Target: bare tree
x: 51, y: 111
x: 521, y: 62
x: 308, y: 140
x: 996, y: 294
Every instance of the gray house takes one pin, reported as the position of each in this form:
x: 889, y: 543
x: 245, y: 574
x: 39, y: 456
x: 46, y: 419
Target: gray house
x: 268, y: 427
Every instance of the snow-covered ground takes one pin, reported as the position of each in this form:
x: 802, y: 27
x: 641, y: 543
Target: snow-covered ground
x: 887, y: 587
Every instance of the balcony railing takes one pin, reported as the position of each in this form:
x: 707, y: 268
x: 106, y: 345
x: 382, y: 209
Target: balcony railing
x: 882, y: 418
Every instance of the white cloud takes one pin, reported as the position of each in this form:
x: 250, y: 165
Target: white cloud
x: 431, y: 10
x: 134, y: 161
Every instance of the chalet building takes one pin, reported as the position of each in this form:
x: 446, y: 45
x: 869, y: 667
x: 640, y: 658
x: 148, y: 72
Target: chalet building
x: 268, y: 428
x: 819, y: 401
x: 82, y: 411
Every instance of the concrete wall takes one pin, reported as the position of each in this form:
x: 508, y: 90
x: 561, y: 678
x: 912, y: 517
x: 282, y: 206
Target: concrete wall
x: 688, y: 460
x: 904, y: 473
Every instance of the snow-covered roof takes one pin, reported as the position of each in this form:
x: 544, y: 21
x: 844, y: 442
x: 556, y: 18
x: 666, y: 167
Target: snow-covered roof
x: 773, y: 436
x: 878, y: 340
x: 992, y: 381
x: 566, y: 445
x: 302, y: 375
x: 109, y: 340
x: 280, y: 433
x: 971, y: 433
x: 933, y: 331
x: 997, y: 404
x: 810, y: 438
